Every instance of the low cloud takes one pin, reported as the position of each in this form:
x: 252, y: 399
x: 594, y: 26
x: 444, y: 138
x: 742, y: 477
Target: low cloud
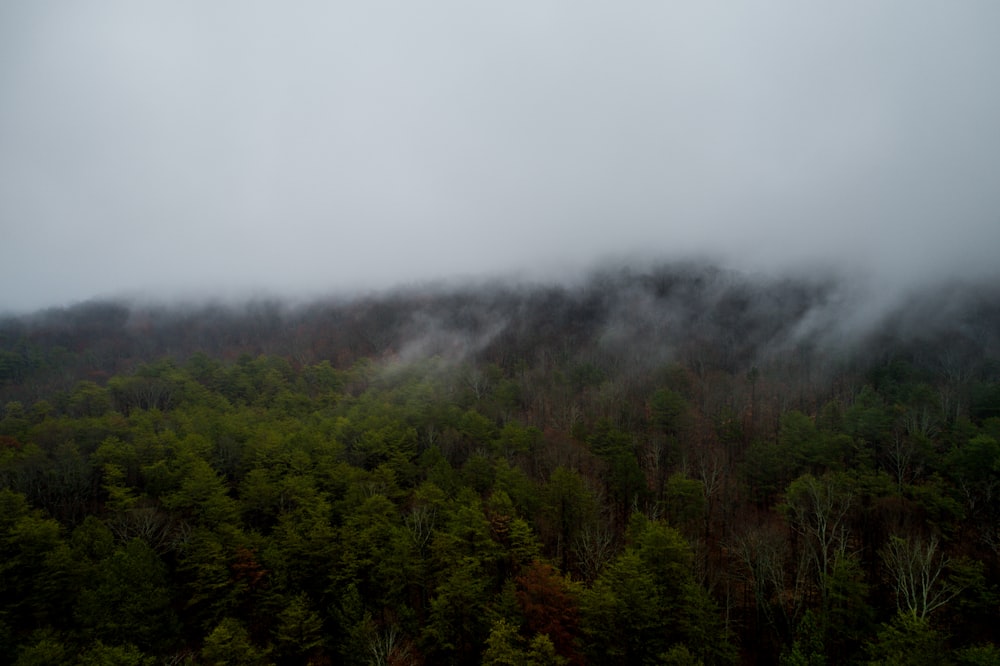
x: 201, y: 150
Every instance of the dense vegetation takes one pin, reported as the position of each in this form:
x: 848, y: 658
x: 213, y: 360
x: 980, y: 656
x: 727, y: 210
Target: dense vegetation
x: 680, y: 466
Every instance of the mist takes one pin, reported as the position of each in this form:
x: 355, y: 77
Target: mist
x: 181, y: 150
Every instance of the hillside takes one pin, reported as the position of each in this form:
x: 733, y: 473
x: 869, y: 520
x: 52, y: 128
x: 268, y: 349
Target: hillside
x: 681, y: 464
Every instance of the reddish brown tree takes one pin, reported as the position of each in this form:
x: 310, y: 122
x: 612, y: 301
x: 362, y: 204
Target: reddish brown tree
x: 550, y: 606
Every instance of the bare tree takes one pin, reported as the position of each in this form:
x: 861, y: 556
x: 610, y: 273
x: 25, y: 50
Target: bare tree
x: 818, y: 510
x: 710, y: 468
x: 594, y: 547
x: 763, y: 551
x: 148, y: 523
x: 902, y: 457
x: 478, y: 382
x: 420, y: 524
x: 958, y: 369
x: 917, y: 569
x: 387, y: 646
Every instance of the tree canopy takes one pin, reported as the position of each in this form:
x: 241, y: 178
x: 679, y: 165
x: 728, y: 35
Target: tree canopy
x: 579, y: 483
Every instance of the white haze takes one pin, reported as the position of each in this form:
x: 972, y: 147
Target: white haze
x: 220, y: 148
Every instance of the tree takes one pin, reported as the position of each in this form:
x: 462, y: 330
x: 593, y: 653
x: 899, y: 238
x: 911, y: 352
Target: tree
x: 99, y: 654
x: 684, y: 502
x: 593, y: 548
x: 807, y: 649
x: 202, y: 497
x: 818, y: 509
x: 466, y: 534
x: 504, y: 646
x: 763, y: 551
x: 456, y: 626
x: 229, y: 644
x: 768, y: 469
x: 868, y: 421
x: 299, y: 629
x: 918, y: 571
x: 542, y: 652
x: 377, y: 555
x: 549, y: 603
x: 975, y: 469
x: 302, y: 545
x: 848, y: 617
x: 203, y: 566
x: 45, y: 647
x: 514, y: 534
x: 568, y: 508
x: 688, y: 613
x: 907, y: 640
x: 130, y: 600
x: 624, y: 480
x: 387, y: 645
x: 89, y: 400
x: 37, y: 571
x: 620, y: 614
x: 679, y: 655
x: 985, y: 654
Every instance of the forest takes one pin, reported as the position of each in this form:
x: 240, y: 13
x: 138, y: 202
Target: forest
x: 680, y: 465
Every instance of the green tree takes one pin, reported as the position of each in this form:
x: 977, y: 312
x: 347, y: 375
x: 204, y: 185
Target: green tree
x: 89, y: 400
x: 849, y: 616
x: 204, y: 570
x: 686, y: 610
x: 504, y: 646
x: 456, y: 627
x: 568, y: 507
x: 378, y: 554
x: 203, y: 497
x: 807, y: 649
x: 466, y: 534
x: 303, y: 544
x: 907, y: 640
x: 985, y: 654
x: 975, y: 472
x: 99, y: 654
x: 542, y: 652
x: 620, y: 614
x: 130, y: 600
x: 298, y: 632
x: 44, y: 648
x: 684, y: 501
x: 38, y: 576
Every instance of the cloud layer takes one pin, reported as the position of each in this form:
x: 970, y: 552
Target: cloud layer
x: 229, y: 147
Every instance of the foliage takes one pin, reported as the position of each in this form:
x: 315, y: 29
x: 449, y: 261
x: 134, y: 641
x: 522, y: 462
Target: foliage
x: 269, y: 487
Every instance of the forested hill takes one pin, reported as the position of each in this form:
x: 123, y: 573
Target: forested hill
x: 701, y: 317
x: 678, y: 465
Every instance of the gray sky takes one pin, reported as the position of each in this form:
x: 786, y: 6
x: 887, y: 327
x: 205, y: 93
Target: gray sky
x: 303, y: 147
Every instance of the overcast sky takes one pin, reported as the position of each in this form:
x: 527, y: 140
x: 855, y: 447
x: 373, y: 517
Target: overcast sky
x: 305, y: 147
